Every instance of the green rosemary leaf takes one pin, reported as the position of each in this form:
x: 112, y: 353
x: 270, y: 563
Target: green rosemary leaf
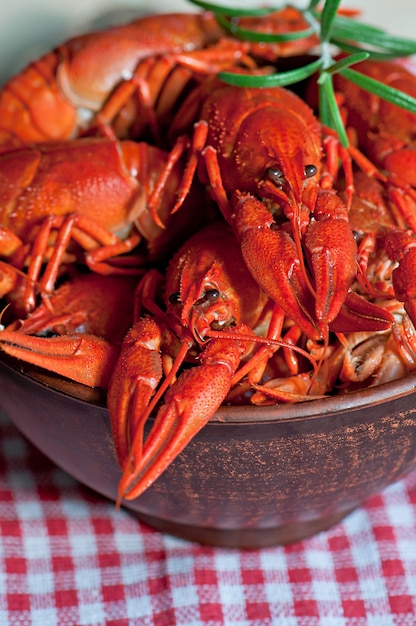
x: 374, y: 54
x: 252, y: 35
x: 323, y: 107
x: 279, y: 79
x: 353, y: 59
x: 401, y: 46
x: 386, y: 92
x: 331, y: 110
x: 353, y: 26
x: 232, y: 11
x: 312, y: 5
x: 327, y: 18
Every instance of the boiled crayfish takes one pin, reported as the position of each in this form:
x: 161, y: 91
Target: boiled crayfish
x: 62, y: 334
x: 236, y: 252
x: 129, y: 78
x: 91, y: 192
x: 94, y: 85
x: 261, y: 152
x: 214, y: 314
x: 384, y: 133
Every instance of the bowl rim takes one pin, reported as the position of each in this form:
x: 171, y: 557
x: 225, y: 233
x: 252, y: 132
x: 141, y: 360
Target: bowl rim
x: 322, y: 407
x: 299, y: 411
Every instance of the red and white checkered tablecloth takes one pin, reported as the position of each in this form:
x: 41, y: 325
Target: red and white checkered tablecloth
x: 68, y: 558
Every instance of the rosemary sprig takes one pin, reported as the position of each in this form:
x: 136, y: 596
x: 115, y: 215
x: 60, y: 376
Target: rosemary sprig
x: 386, y: 92
x: 348, y: 30
x: 357, y: 39
x: 328, y: 108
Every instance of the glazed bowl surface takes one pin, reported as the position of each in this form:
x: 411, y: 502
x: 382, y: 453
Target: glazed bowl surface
x: 252, y: 477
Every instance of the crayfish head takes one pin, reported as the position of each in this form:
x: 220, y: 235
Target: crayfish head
x: 282, y: 152
x: 203, y: 301
x: 208, y: 285
x: 286, y: 180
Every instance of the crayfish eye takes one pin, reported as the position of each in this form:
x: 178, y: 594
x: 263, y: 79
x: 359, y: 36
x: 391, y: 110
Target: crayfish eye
x: 174, y: 298
x: 310, y: 170
x: 212, y: 295
x: 276, y: 176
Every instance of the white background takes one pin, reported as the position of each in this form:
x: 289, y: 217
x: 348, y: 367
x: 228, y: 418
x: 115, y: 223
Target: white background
x: 29, y: 28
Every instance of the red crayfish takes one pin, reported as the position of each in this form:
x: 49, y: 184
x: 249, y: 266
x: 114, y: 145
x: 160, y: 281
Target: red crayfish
x: 93, y: 192
x: 383, y: 132
x: 130, y: 77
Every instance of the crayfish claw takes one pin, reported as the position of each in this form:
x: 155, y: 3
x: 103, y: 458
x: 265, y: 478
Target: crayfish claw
x: 272, y: 258
x: 401, y: 248
x: 359, y: 314
x: 84, y: 358
x: 135, y: 377
x: 332, y: 253
x: 188, y: 405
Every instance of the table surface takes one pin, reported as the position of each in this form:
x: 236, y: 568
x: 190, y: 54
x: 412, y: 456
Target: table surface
x: 68, y: 558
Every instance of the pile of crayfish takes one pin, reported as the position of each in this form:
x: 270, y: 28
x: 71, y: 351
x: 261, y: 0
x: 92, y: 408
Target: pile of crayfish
x: 183, y: 243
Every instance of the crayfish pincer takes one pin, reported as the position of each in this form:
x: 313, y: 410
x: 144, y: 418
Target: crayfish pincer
x: 72, y: 334
x: 330, y: 253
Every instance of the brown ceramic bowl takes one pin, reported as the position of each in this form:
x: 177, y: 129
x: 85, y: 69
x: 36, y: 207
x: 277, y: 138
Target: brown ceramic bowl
x: 252, y: 477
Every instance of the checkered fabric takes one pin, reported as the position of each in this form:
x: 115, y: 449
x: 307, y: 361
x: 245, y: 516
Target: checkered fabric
x: 68, y: 558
